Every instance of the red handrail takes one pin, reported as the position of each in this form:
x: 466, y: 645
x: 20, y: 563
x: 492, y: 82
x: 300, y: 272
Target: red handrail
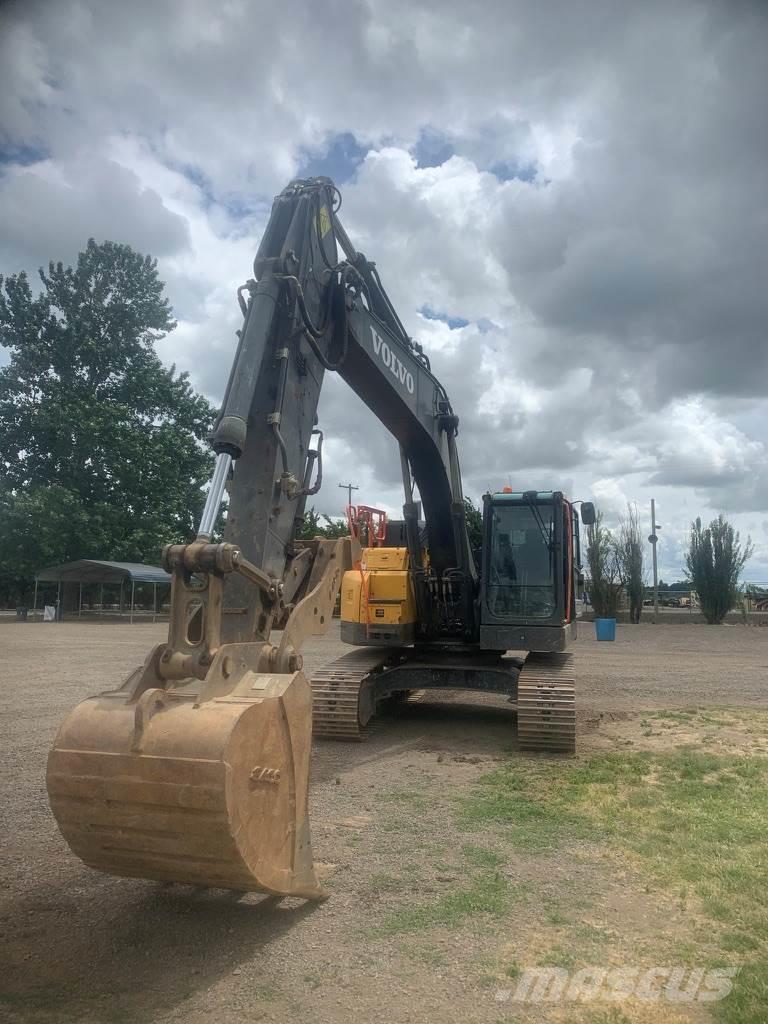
x: 372, y: 521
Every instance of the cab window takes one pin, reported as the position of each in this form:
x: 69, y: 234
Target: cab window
x: 520, y: 571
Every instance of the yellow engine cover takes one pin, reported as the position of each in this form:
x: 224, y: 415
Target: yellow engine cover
x: 377, y: 603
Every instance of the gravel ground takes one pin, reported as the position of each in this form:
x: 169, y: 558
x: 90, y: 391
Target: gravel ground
x: 78, y: 946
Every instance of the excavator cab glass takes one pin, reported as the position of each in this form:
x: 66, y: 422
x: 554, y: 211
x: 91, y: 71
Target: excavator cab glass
x: 521, y: 580
x: 529, y: 573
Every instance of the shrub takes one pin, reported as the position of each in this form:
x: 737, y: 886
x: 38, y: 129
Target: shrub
x: 629, y: 550
x: 714, y: 563
x: 604, y: 570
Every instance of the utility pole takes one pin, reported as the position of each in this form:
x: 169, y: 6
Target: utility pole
x: 349, y: 488
x: 653, y: 541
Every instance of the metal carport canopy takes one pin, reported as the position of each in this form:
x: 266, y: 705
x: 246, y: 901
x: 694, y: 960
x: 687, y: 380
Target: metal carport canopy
x: 90, y: 570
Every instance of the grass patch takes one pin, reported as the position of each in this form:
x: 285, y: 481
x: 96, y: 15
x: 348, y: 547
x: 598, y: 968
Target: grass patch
x: 420, y: 952
x: 504, y: 798
x: 488, y: 893
x: 513, y: 971
x: 747, y: 1002
x: 559, y: 956
x: 381, y: 883
x: 682, y: 716
x: 610, y: 1016
x: 556, y: 917
x: 738, y: 942
x: 407, y: 798
x: 480, y: 857
x: 696, y: 822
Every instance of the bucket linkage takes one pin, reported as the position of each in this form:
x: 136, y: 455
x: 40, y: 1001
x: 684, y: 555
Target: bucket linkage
x: 196, y: 769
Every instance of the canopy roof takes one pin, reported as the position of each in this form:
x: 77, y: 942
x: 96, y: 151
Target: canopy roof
x: 519, y: 497
x: 90, y: 570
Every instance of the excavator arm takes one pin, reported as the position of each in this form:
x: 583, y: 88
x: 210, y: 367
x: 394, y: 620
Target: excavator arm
x: 307, y: 312
x: 196, y: 769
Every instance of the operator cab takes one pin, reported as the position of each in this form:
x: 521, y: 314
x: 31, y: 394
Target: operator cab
x: 531, y: 572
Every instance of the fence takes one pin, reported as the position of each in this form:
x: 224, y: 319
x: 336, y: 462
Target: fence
x: 678, y: 603
x: 753, y: 597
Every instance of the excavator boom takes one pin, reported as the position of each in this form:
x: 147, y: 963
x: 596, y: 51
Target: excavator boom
x: 196, y: 769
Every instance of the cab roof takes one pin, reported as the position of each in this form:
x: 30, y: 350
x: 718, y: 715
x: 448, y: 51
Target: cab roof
x: 519, y: 497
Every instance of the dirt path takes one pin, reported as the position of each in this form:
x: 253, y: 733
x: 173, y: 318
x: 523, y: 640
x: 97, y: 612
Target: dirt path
x: 81, y: 947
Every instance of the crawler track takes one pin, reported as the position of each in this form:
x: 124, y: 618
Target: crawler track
x: 344, y: 695
x: 546, y: 704
x: 338, y: 712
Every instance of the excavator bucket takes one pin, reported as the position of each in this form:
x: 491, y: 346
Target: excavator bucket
x: 203, y: 782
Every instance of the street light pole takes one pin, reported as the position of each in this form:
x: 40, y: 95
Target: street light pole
x: 653, y: 539
x: 349, y: 488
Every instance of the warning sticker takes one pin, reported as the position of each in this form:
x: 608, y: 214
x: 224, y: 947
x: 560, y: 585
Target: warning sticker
x: 323, y: 221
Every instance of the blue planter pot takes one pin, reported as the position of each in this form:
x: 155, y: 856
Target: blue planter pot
x: 605, y: 629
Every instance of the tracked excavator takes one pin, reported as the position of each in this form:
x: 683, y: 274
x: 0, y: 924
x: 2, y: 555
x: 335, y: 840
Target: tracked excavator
x: 196, y: 769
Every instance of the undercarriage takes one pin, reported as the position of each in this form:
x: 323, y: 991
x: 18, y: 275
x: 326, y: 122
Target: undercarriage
x: 348, y: 692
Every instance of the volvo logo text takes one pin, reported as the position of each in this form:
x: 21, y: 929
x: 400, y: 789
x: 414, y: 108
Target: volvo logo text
x: 390, y: 360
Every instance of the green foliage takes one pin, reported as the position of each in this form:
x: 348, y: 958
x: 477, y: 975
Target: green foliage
x: 714, y: 563
x: 474, y: 518
x: 101, y: 448
x: 488, y: 893
x: 629, y: 551
x: 59, y: 521
x: 315, y: 524
x: 690, y: 821
x: 604, y: 570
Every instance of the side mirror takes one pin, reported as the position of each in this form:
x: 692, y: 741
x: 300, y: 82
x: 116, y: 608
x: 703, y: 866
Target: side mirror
x: 588, y: 516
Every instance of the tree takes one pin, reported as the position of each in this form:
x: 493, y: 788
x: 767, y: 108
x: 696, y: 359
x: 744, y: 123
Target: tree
x: 629, y: 551
x: 604, y: 570
x: 101, y: 446
x: 474, y: 519
x: 334, y: 528
x: 714, y: 563
x: 312, y: 526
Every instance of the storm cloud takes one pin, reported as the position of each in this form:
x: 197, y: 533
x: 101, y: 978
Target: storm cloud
x: 568, y: 204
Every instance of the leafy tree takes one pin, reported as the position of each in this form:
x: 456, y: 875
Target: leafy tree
x: 313, y: 526
x: 629, y: 552
x: 316, y: 524
x: 474, y: 519
x: 334, y: 528
x: 714, y: 563
x: 604, y: 570
x: 101, y: 449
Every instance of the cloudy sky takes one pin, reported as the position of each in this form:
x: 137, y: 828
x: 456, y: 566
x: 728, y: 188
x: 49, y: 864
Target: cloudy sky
x: 568, y: 203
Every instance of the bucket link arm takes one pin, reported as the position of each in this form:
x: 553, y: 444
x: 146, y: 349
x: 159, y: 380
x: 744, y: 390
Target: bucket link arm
x: 198, y: 573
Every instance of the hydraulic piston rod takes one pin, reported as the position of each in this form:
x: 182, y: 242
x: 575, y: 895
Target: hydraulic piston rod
x: 215, y: 495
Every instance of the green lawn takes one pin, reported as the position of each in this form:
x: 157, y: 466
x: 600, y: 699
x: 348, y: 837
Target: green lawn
x: 696, y: 823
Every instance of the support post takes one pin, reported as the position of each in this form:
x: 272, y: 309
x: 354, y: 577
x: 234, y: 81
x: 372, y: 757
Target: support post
x: 58, y: 601
x: 34, y: 603
x: 349, y: 488
x: 154, y: 602
x: 101, y: 601
x: 655, y: 563
x: 133, y: 593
